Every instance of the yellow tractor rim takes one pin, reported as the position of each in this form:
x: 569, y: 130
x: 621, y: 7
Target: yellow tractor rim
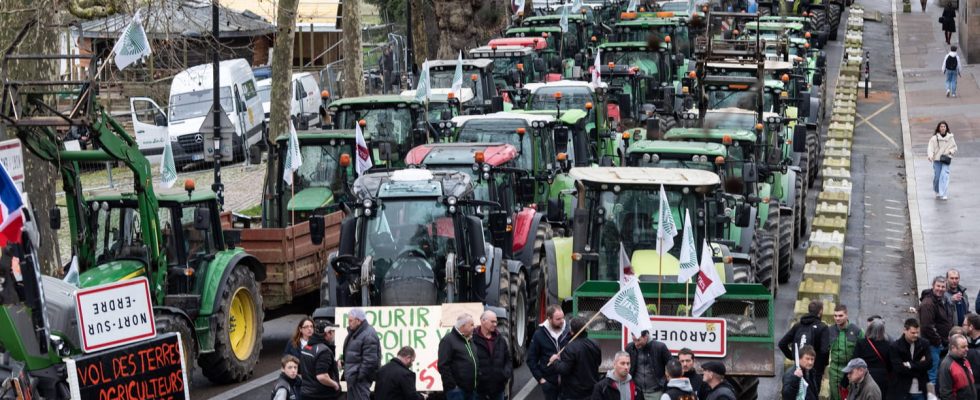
x: 241, y: 323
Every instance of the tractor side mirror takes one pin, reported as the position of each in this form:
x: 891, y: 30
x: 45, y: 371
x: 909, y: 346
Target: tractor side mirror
x: 525, y: 186
x: 580, y: 150
x: 743, y: 215
x: 539, y: 65
x: 54, y: 218
x: 497, y: 104
x: 446, y: 115
x: 384, y: 151
x: 561, y: 139
x: 625, y: 107
x: 202, y: 218
x: 799, y: 138
x: 347, y: 232
x: 478, y: 251
x: 579, y: 59
x: 750, y: 175
x: 316, y: 229
x: 556, y: 210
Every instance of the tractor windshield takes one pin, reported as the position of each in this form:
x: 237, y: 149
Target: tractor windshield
x: 644, y: 160
x: 392, y: 124
x: 631, y: 217
x: 572, y: 97
x: 738, y: 98
x: 499, y: 131
x: 647, y: 61
x: 410, y: 240
x: 321, y: 167
x: 117, y: 234
x: 727, y: 120
x: 443, y: 79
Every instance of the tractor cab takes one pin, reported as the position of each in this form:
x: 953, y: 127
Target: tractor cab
x: 580, y: 109
x: 320, y: 185
x: 665, y: 25
x: 392, y: 124
x: 477, y: 79
x: 514, y: 65
x: 443, y: 105
x: 641, y: 82
x: 575, y: 43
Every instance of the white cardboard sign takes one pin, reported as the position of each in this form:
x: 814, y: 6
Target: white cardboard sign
x: 706, y: 337
x: 115, y: 314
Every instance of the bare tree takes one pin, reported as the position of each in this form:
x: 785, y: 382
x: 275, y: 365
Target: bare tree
x: 419, y: 33
x: 282, y: 72
x: 465, y: 23
x: 353, y: 56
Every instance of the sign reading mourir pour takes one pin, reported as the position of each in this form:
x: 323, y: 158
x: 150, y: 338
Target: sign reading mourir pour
x: 153, y: 369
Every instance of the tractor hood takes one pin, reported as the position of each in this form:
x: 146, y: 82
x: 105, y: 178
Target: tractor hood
x: 113, y: 271
x: 310, y: 199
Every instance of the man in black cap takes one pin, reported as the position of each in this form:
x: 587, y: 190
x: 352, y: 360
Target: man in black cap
x: 715, y: 386
x: 318, y: 367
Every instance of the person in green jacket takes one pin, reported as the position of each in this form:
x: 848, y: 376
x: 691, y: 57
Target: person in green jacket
x: 844, y: 336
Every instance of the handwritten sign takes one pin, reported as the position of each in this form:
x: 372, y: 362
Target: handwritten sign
x: 706, y: 337
x: 421, y: 327
x: 115, y: 314
x: 153, y: 369
x: 12, y: 158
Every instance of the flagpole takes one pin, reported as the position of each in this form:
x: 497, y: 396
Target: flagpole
x: 660, y: 282
x: 584, y: 327
x: 687, y: 297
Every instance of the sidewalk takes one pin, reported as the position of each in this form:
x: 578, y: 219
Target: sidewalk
x: 943, y: 232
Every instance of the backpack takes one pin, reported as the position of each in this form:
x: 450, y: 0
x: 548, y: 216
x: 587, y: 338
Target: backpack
x: 951, y: 63
x: 807, y: 335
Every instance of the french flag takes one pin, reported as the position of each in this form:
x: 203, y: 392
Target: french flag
x: 11, y: 220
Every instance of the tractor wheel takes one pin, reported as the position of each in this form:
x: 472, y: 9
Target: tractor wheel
x: 505, y: 325
x: 813, y: 148
x: 537, y: 298
x: 771, y: 231
x: 169, y: 323
x: 519, y: 317
x: 818, y: 22
x: 238, y: 338
x: 799, y: 213
x: 786, y: 246
x: 764, y: 259
x: 746, y: 387
x: 833, y: 15
x: 667, y: 122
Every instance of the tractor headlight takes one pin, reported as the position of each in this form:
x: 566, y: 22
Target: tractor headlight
x: 646, y: 158
x: 451, y: 200
x: 452, y: 209
x: 476, y: 167
x: 367, y: 204
x: 486, y: 167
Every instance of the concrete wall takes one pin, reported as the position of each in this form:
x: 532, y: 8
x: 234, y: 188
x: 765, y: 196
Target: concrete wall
x: 968, y: 29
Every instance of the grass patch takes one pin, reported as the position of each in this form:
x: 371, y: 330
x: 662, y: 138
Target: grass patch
x: 253, y: 211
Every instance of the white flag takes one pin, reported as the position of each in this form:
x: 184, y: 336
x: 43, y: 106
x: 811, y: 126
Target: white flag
x: 689, y: 252
x: 363, y: 154
x: 293, y: 157
x: 423, y: 88
x: 168, y: 169
x: 563, y: 22
x: 666, y: 229
x: 625, y: 266
x: 577, y: 6
x: 132, y: 45
x: 597, y: 70
x: 631, y: 7
x: 518, y: 6
x: 710, y: 286
x: 628, y: 308
x: 458, y: 78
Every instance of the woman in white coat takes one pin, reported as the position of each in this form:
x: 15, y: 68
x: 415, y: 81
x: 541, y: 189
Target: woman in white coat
x: 942, y: 146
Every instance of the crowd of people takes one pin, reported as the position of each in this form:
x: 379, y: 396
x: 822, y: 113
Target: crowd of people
x: 936, y: 355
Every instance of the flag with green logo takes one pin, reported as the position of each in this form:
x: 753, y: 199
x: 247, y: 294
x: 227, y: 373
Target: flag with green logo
x: 689, y: 252
x: 294, y: 159
x: 631, y: 7
x: 168, y: 169
x: 422, y: 90
x: 577, y: 6
x: 563, y: 22
x: 458, y: 78
x: 132, y: 45
x: 628, y: 308
x: 666, y: 228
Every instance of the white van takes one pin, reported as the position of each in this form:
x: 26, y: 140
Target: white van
x: 190, y: 101
x: 304, y: 106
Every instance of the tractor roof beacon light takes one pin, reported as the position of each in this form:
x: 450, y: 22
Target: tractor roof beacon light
x: 344, y: 160
x: 720, y: 160
x: 189, y: 186
x: 479, y: 157
x: 324, y: 94
x: 362, y: 123
x: 726, y: 140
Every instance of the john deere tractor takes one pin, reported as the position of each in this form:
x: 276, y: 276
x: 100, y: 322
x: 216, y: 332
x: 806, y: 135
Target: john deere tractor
x: 393, y: 125
x: 579, y: 110
x: 642, y: 81
x: 201, y: 285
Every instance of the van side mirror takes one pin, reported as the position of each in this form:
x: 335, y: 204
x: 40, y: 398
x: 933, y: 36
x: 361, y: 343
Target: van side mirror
x: 202, y: 218
x: 749, y: 174
x: 799, y: 138
x: 743, y: 215
x: 347, y: 232
x: 316, y: 229
x: 54, y: 218
x: 478, y: 250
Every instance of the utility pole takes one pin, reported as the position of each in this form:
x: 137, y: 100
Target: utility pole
x: 217, y: 186
x: 411, y: 40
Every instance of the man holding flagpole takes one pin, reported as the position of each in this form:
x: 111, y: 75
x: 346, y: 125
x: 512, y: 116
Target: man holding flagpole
x: 799, y: 383
x: 578, y: 363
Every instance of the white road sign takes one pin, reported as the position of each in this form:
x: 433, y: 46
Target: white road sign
x: 12, y: 158
x: 115, y: 314
x: 707, y: 337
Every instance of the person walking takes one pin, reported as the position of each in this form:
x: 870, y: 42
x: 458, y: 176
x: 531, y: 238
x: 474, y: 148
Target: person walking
x: 318, y: 366
x: 812, y: 331
x: 875, y: 350
x: 715, y: 386
x: 388, y: 70
x: 953, y: 68
x: 686, y: 358
x: 935, y: 320
x: 301, y: 336
x: 288, y: 385
x: 648, y: 358
x: 396, y: 380
x: 362, y: 355
x: 948, y: 20
x: 804, y: 372
x: 844, y: 336
x: 678, y: 386
x: 493, y: 359
x: 618, y: 382
x: 956, y: 297
x: 942, y: 147
x: 548, y: 339
x: 923, y: 3
x: 457, y: 360
x: 911, y: 361
x: 955, y: 374
x: 861, y: 385
x: 578, y: 363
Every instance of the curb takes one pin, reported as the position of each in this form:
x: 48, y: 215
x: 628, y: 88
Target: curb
x: 911, y: 192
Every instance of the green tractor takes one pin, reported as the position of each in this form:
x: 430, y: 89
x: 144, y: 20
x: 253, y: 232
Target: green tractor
x: 581, y: 111
x: 392, y: 125
x: 516, y: 61
x: 821, y: 17
x: 478, y: 78
x: 573, y: 48
x: 662, y: 24
x: 641, y: 82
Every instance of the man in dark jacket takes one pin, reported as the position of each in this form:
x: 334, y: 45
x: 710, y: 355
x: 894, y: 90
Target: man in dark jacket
x: 935, y: 321
x: 396, y: 380
x: 955, y: 374
x: 810, y: 331
x: 956, y: 297
x: 362, y: 355
x: 618, y: 383
x: 678, y: 387
x: 547, y: 340
x: 794, y: 377
x: 457, y: 360
x: 686, y: 358
x: 648, y: 358
x: 578, y: 364
x: 318, y: 368
x: 972, y: 326
x: 715, y: 386
x: 911, y: 360
x: 493, y: 359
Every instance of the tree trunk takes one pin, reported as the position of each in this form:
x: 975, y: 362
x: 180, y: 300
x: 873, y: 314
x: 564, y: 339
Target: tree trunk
x: 466, y: 23
x: 40, y: 177
x: 418, y: 33
x: 353, y: 56
x: 281, y: 94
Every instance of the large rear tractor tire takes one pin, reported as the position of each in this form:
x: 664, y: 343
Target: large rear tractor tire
x: 764, y: 259
x: 537, y: 297
x: 813, y: 148
x: 505, y: 326
x: 238, y: 338
x: 819, y: 24
x: 833, y: 13
x: 799, y: 213
x: 169, y: 323
x: 771, y: 229
x: 786, y: 246
x: 746, y: 387
x: 519, y: 315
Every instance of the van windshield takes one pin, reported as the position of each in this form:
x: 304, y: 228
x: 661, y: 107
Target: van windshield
x: 197, y: 104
